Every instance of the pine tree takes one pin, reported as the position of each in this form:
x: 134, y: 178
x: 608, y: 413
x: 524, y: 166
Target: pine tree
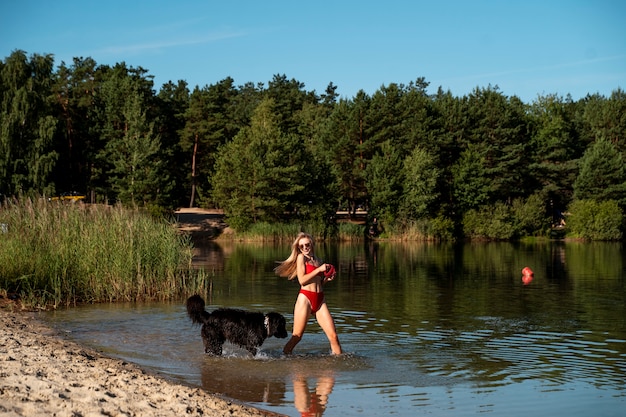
x: 261, y: 174
x: 137, y: 177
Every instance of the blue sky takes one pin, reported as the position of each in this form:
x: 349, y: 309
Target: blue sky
x: 527, y: 48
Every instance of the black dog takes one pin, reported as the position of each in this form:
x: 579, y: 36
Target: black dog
x: 244, y: 328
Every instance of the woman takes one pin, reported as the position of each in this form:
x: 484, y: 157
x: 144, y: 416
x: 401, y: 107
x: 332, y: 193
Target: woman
x: 310, y: 271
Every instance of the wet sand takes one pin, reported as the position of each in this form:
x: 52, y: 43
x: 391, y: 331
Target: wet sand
x: 43, y: 373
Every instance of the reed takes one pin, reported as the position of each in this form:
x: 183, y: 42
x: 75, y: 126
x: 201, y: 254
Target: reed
x: 350, y: 231
x: 276, y: 232
x: 54, y: 254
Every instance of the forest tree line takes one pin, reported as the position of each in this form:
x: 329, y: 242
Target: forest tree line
x: 483, y: 165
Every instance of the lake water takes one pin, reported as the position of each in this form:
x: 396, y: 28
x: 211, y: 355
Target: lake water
x: 428, y: 329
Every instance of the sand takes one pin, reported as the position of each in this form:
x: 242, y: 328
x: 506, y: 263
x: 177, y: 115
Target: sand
x: 44, y: 374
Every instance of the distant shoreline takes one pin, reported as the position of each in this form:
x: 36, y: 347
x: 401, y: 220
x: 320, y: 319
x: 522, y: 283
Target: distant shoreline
x: 210, y: 223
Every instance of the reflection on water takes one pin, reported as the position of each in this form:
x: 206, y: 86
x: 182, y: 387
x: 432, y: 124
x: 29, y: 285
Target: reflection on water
x: 429, y: 329
x: 266, y: 378
x: 312, y: 402
x: 247, y: 380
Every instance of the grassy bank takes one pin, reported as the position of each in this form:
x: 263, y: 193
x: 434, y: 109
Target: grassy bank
x: 54, y: 254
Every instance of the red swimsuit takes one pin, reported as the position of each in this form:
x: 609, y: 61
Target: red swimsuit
x: 315, y: 298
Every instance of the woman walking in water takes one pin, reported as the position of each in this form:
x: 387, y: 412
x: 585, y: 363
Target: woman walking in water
x: 312, y: 274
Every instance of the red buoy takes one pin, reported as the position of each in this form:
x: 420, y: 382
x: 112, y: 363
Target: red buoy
x: 527, y: 275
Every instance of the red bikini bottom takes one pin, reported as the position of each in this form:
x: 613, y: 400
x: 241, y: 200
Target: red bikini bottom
x: 316, y: 299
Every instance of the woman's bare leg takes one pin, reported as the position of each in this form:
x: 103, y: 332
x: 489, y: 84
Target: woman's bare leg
x: 327, y: 324
x: 301, y: 313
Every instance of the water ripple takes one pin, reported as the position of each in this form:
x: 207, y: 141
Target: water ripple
x: 551, y: 356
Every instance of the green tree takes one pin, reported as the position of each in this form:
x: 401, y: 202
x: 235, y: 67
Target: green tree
x: 449, y: 128
x: 248, y: 97
x: 138, y: 176
x: 602, y: 174
x: 289, y: 98
x: 131, y: 163
x: 195, y: 135
x: 343, y: 139
x: 173, y: 101
x: 262, y: 173
x: 451, y: 125
x: 493, y: 222
x: 418, y: 119
x: 595, y: 220
x: 384, y: 182
x: 329, y: 98
x: 470, y: 181
x: 529, y: 215
x: 555, y: 148
x: 321, y: 200
x: 27, y: 125
x: 498, y: 131
x: 421, y: 176
x: 605, y: 117
x: 209, y: 124
x: 384, y: 119
x: 74, y: 90
x: 400, y: 113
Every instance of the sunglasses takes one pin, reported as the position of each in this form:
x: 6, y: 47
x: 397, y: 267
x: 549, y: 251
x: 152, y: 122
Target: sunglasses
x: 305, y: 246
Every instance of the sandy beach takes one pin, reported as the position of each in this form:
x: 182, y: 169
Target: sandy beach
x: 44, y: 374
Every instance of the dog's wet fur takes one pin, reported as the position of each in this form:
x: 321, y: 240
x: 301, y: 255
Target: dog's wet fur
x: 245, y: 329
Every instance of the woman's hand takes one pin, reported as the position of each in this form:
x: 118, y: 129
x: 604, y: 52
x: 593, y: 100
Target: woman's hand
x: 325, y: 268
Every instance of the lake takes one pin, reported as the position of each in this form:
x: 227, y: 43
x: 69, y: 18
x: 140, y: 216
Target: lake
x: 428, y: 329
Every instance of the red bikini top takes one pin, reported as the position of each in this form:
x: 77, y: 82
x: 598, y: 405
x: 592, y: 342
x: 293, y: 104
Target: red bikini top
x: 309, y: 268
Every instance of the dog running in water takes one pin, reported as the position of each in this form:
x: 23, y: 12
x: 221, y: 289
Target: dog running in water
x: 246, y: 329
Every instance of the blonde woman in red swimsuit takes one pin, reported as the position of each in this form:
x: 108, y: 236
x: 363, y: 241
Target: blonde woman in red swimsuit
x: 304, y: 265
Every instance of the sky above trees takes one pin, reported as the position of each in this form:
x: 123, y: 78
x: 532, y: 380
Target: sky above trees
x: 525, y: 48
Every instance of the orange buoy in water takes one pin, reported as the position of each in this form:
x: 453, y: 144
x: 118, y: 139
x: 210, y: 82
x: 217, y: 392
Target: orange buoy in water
x: 527, y: 275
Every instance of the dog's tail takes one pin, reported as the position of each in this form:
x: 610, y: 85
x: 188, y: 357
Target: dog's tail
x: 195, y: 309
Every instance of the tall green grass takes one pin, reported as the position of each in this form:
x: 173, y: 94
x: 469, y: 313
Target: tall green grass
x: 54, y: 254
x: 267, y: 232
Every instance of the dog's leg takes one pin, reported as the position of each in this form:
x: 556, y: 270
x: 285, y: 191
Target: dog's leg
x: 212, y: 346
x: 213, y: 340
x: 214, y: 349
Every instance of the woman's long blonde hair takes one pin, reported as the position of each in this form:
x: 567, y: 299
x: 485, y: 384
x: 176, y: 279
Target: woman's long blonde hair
x: 288, y: 267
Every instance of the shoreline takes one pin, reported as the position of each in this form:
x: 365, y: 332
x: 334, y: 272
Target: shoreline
x: 44, y: 373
